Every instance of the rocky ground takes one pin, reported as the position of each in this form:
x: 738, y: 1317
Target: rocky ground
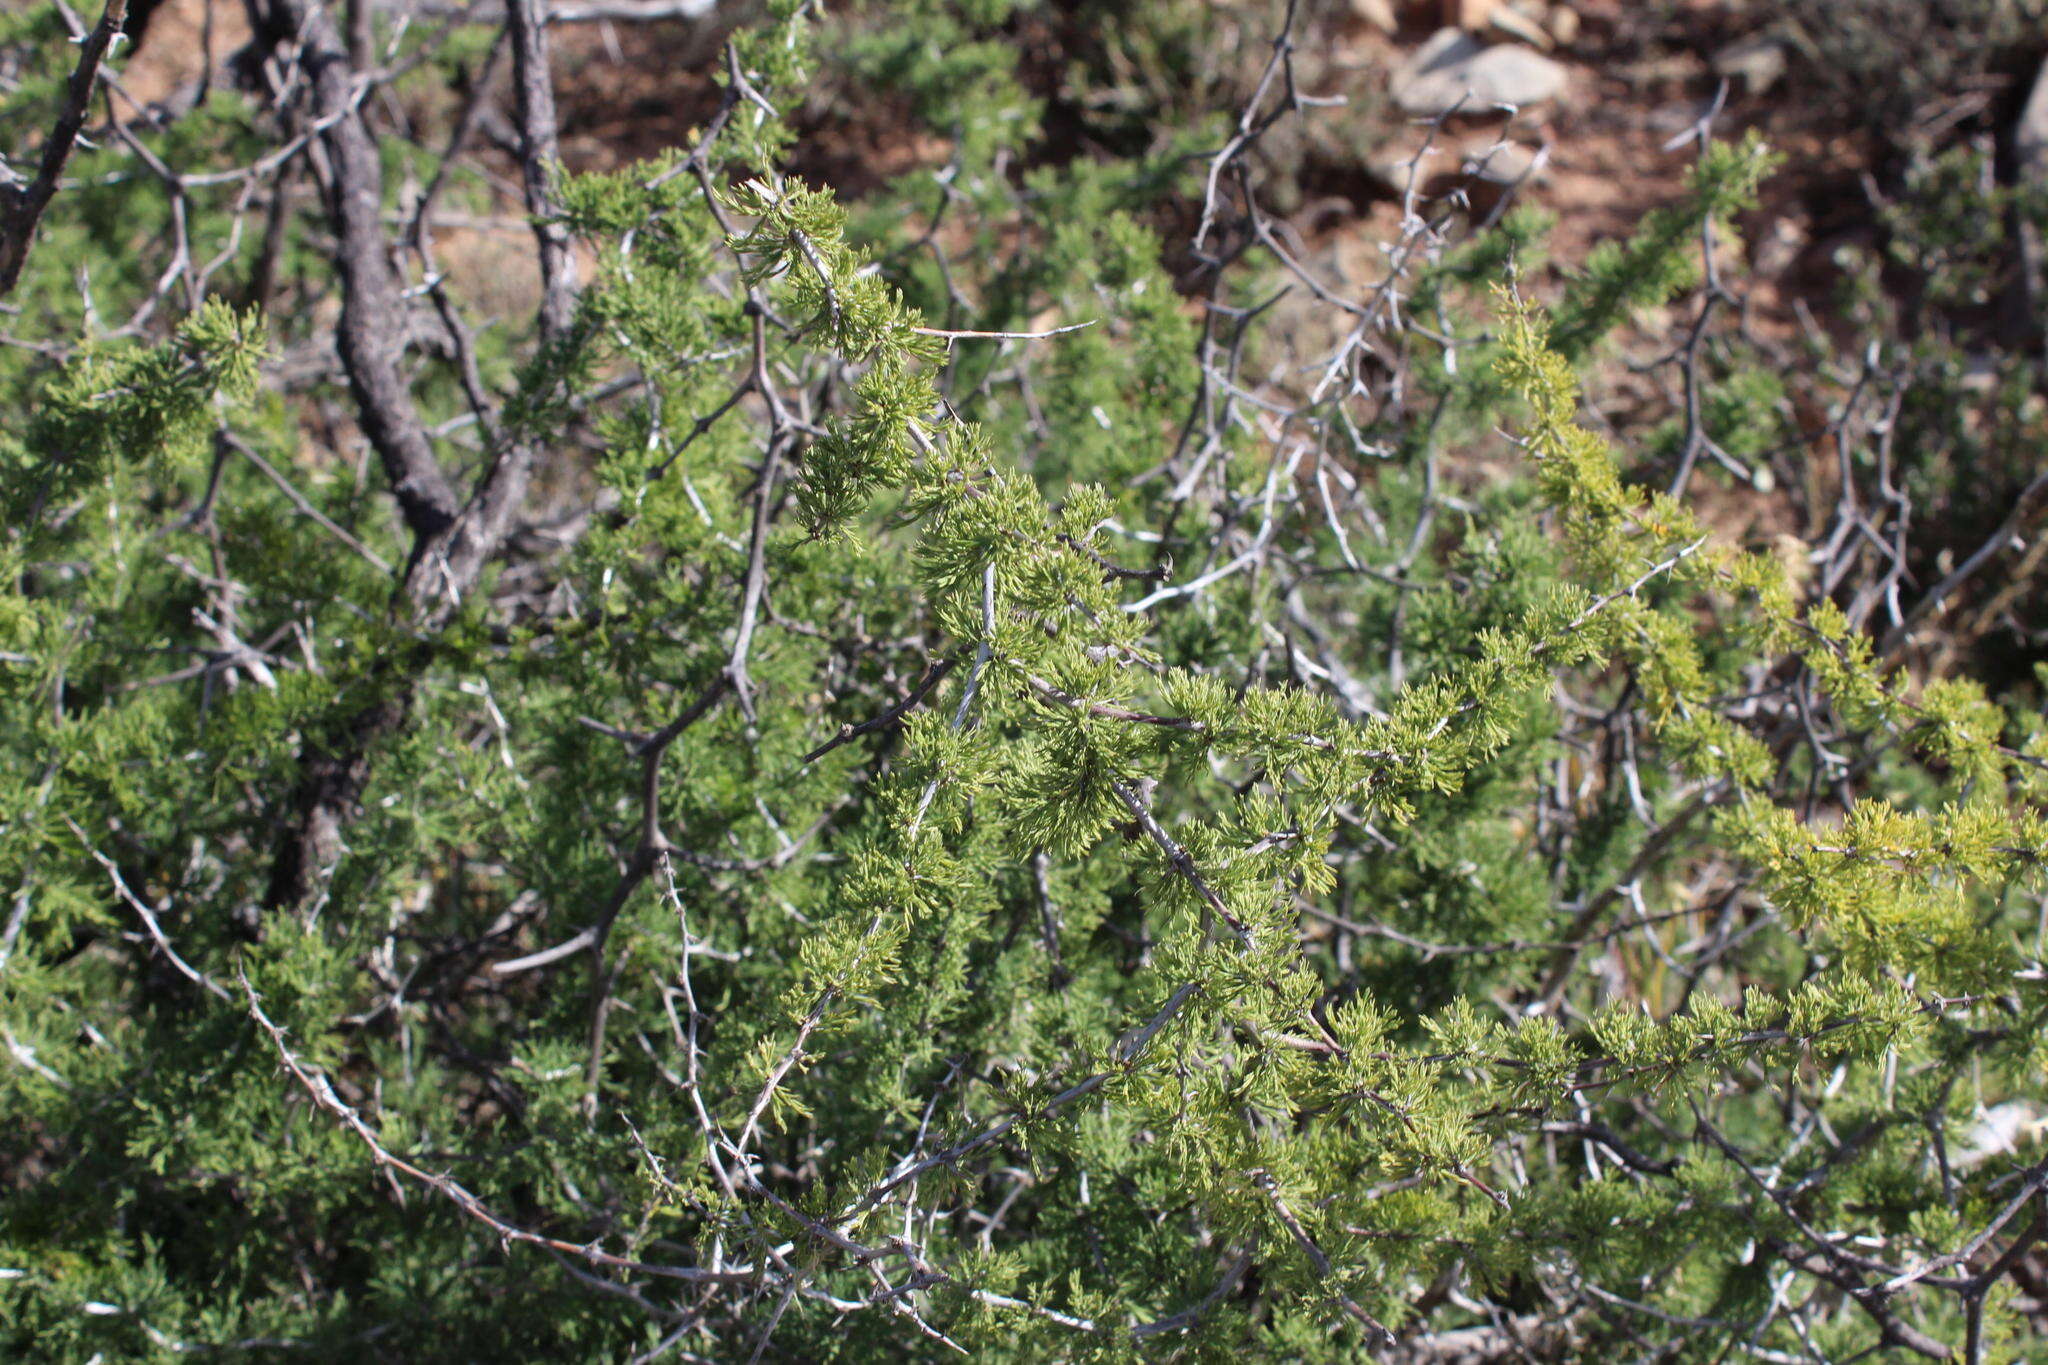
x: 1587, y: 109
x: 1577, y: 107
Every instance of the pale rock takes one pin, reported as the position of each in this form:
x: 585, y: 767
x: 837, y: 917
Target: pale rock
x: 1404, y: 168
x: 1503, y: 163
x: 2000, y: 1131
x: 1756, y: 62
x: 1516, y: 24
x: 2030, y: 135
x: 2030, y: 148
x: 1468, y: 14
x: 1564, y: 24
x: 1379, y: 13
x: 1454, y: 71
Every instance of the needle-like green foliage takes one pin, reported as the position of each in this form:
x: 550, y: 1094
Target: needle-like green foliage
x: 968, y: 837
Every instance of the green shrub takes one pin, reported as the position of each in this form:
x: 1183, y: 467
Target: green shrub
x: 801, y: 833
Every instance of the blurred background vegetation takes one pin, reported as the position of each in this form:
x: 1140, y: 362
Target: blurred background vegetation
x: 1891, y: 278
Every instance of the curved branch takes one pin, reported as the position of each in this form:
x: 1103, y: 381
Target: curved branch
x: 21, y: 208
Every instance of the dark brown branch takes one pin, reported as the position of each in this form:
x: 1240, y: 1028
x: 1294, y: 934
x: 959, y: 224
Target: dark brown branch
x: 934, y: 672
x: 1111, y: 570
x: 2029, y: 504
x: 370, y: 336
x: 454, y: 538
x: 526, y: 21
x: 21, y: 208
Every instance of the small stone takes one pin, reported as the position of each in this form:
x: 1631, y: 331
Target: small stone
x: 2030, y: 148
x: 1400, y: 169
x: 1779, y: 246
x: 1454, y: 71
x: 1468, y: 14
x: 1490, y: 174
x: 2030, y: 135
x: 1999, y: 1131
x: 1981, y: 373
x: 1502, y: 163
x: 1378, y: 13
x: 1564, y: 24
x: 1516, y: 24
x: 1756, y: 62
